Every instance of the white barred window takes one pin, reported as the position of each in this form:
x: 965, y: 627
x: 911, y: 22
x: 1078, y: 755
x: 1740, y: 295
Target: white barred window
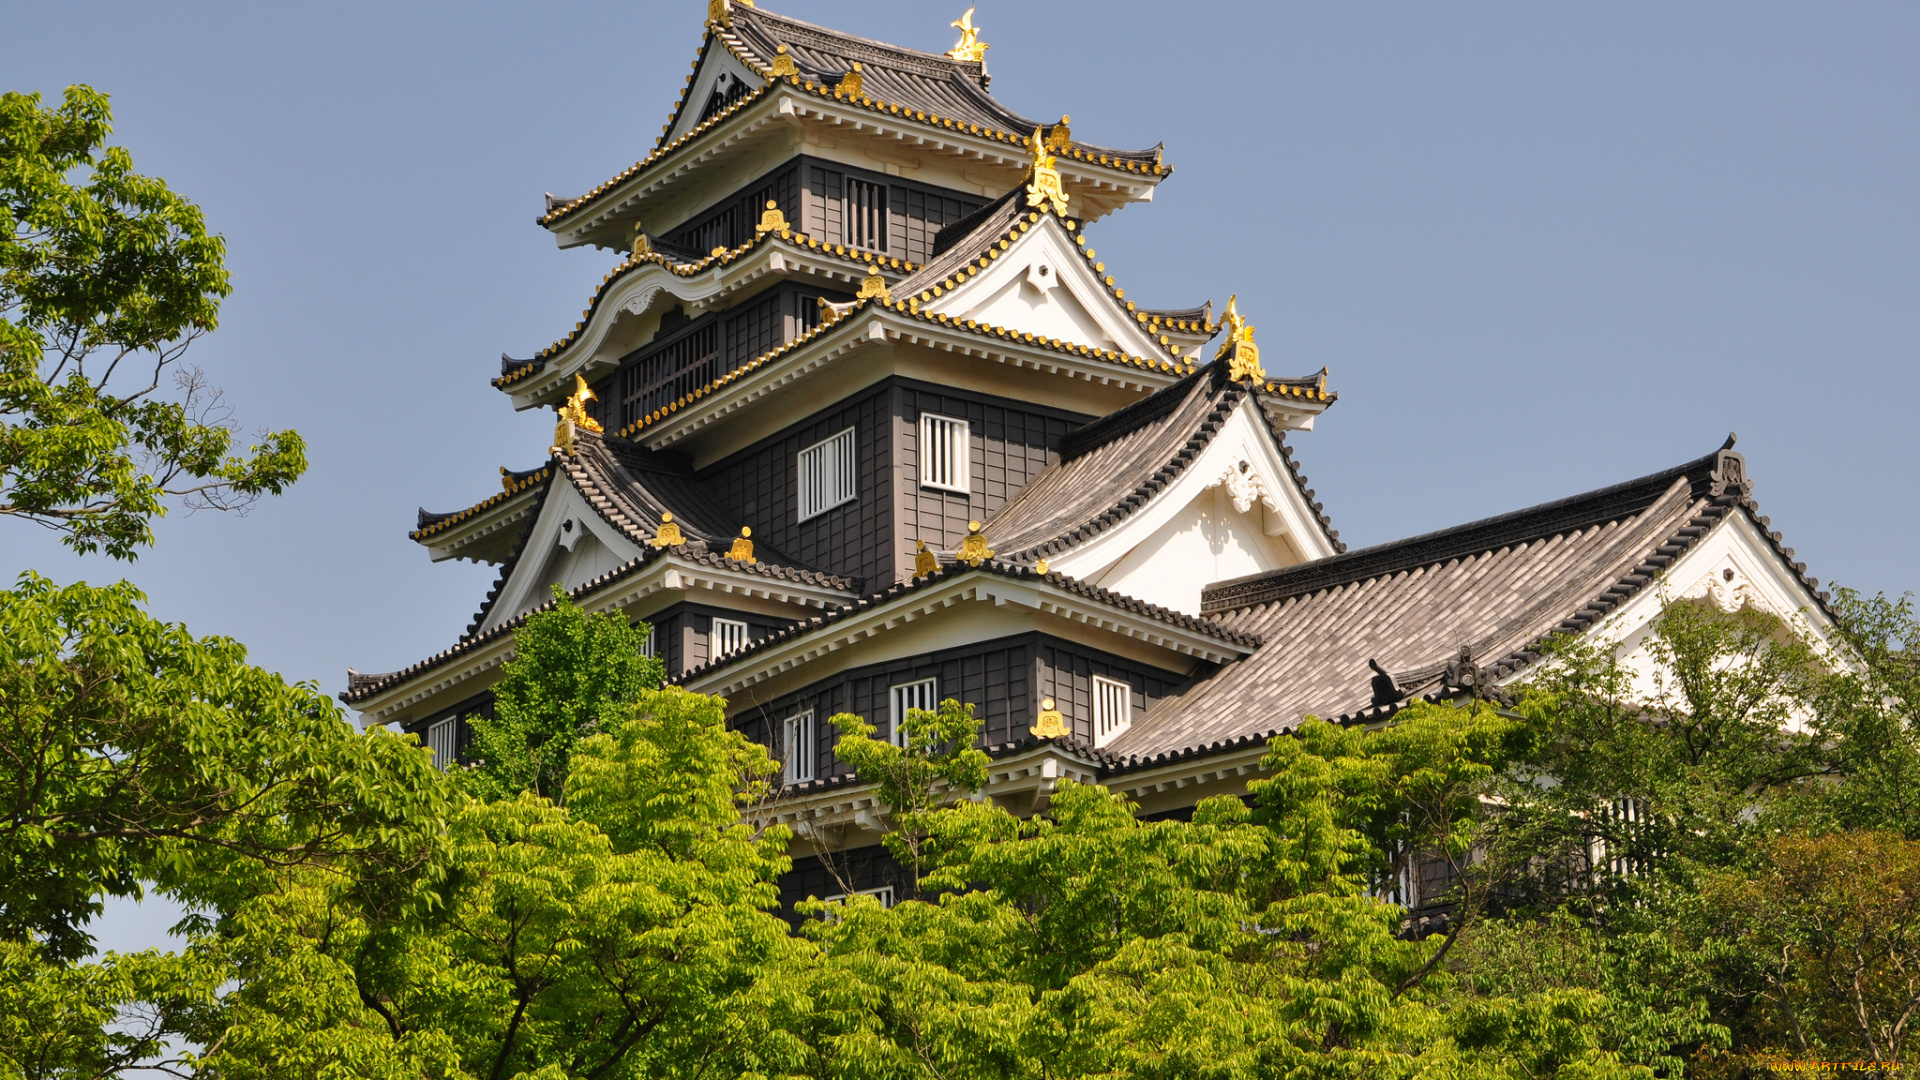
x: 884, y: 894
x: 650, y: 645
x: 943, y: 452
x: 440, y: 740
x: 797, y: 743
x: 826, y: 475
x: 728, y: 635
x: 1112, y: 708
x: 922, y: 695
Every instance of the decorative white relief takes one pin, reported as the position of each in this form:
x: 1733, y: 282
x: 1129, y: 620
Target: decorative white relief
x: 1042, y: 278
x: 641, y: 301
x: 1729, y: 592
x: 1246, y: 484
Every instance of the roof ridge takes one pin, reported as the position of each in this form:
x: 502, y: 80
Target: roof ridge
x: 1486, y: 534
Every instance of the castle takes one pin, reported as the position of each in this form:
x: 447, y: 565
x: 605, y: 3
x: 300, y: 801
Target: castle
x: 861, y: 422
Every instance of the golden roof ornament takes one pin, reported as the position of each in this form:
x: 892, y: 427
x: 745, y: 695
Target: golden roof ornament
x: 969, y: 48
x: 573, y: 417
x: 853, y: 84
x: 924, y: 561
x: 641, y: 245
x: 1060, y: 136
x: 1040, y: 568
x: 669, y: 534
x: 1242, y: 355
x: 1044, y: 189
x: 783, y: 64
x: 771, y: 220
x: 974, y: 550
x: 742, y: 549
x: 875, y: 287
x: 1049, y: 724
x: 717, y: 13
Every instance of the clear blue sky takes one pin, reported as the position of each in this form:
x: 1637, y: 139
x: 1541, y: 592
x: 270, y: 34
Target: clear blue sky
x: 1542, y: 247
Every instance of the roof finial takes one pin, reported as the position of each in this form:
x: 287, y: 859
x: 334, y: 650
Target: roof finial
x: 1241, y: 354
x: 782, y: 65
x: 853, y: 84
x: 974, y: 550
x: 669, y: 534
x: 1044, y: 188
x: 1060, y: 136
x: 742, y: 549
x: 924, y: 562
x: 1049, y: 724
x: 771, y: 220
x: 874, y: 287
x: 1732, y: 437
x: 641, y: 245
x: 573, y: 417
x: 969, y: 48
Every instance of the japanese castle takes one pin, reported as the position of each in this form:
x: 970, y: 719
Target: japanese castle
x: 861, y: 421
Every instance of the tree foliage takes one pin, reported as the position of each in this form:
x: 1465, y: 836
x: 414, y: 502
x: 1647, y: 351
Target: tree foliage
x: 106, y: 277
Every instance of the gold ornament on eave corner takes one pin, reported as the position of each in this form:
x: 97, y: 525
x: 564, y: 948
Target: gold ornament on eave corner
x: 742, y: 549
x: 974, y: 550
x: 1043, y: 187
x: 573, y: 417
x: 1242, y: 355
x: 925, y: 562
x: 1049, y: 724
x: 669, y: 534
x: 969, y: 48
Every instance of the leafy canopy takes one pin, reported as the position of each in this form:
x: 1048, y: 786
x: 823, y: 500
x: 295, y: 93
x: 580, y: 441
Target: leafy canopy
x: 106, y: 277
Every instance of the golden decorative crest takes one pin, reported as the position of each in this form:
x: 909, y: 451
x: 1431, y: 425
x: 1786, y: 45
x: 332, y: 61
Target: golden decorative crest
x: 924, y: 561
x: 853, y: 84
x: 1060, y: 136
x: 1044, y: 188
x: 669, y: 534
x: 1242, y: 355
x: 742, y: 549
x: 783, y: 64
x: 1049, y: 724
x: 1040, y: 568
x: 641, y: 245
x: 875, y: 287
x: 717, y: 12
x: 974, y: 550
x: 969, y: 47
x: 573, y: 417
x: 771, y: 220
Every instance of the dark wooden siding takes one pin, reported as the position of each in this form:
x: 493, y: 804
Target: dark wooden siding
x: 1009, y: 444
x: 858, y: 870
x: 854, y: 539
x: 731, y: 222
x: 1003, y: 680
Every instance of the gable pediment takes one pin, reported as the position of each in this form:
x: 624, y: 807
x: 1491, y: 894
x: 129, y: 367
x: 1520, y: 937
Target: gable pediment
x: 1043, y: 285
x: 721, y: 78
x: 569, y: 545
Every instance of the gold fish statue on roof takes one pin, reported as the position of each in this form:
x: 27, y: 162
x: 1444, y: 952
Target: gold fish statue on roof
x: 969, y: 48
x: 574, y: 417
x: 1045, y: 189
x: 1241, y: 354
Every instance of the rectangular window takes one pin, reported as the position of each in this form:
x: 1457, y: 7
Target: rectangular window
x: 797, y: 743
x: 943, y: 452
x: 922, y: 695
x: 884, y: 894
x: 826, y: 476
x: 1112, y: 708
x: 866, y: 215
x: 650, y: 645
x: 728, y: 635
x: 440, y: 740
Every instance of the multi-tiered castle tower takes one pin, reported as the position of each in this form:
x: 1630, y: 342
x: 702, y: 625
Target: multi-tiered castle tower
x: 862, y: 421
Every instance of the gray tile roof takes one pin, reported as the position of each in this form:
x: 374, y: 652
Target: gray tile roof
x: 1115, y: 465
x: 1498, y: 585
x: 929, y: 82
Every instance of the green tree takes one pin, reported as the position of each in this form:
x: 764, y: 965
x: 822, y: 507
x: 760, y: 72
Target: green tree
x: 572, y: 673
x: 106, y: 277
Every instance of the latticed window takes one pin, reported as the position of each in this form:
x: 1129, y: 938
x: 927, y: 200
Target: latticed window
x: 943, y: 452
x: 826, y: 477
x: 797, y: 743
x: 1112, y: 708
x: 650, y: 645
x: 1626, y: 818
x: 866, y: 215
x: 923, y: 695
x: 441, y: 736
x: 726, y: 91
x: 727, y: 635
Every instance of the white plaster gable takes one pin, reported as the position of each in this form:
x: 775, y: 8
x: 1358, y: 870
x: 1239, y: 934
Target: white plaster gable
x: 570, y: 544
x: 1042, y: 285
x: 1732, y: 567
x: 1235, y: 510
x: 718, y: 69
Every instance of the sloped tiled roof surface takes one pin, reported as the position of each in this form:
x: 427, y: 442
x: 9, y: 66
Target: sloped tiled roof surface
x: 1114, y: 466
x: 929, y: 82
x: 1498, y: 585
